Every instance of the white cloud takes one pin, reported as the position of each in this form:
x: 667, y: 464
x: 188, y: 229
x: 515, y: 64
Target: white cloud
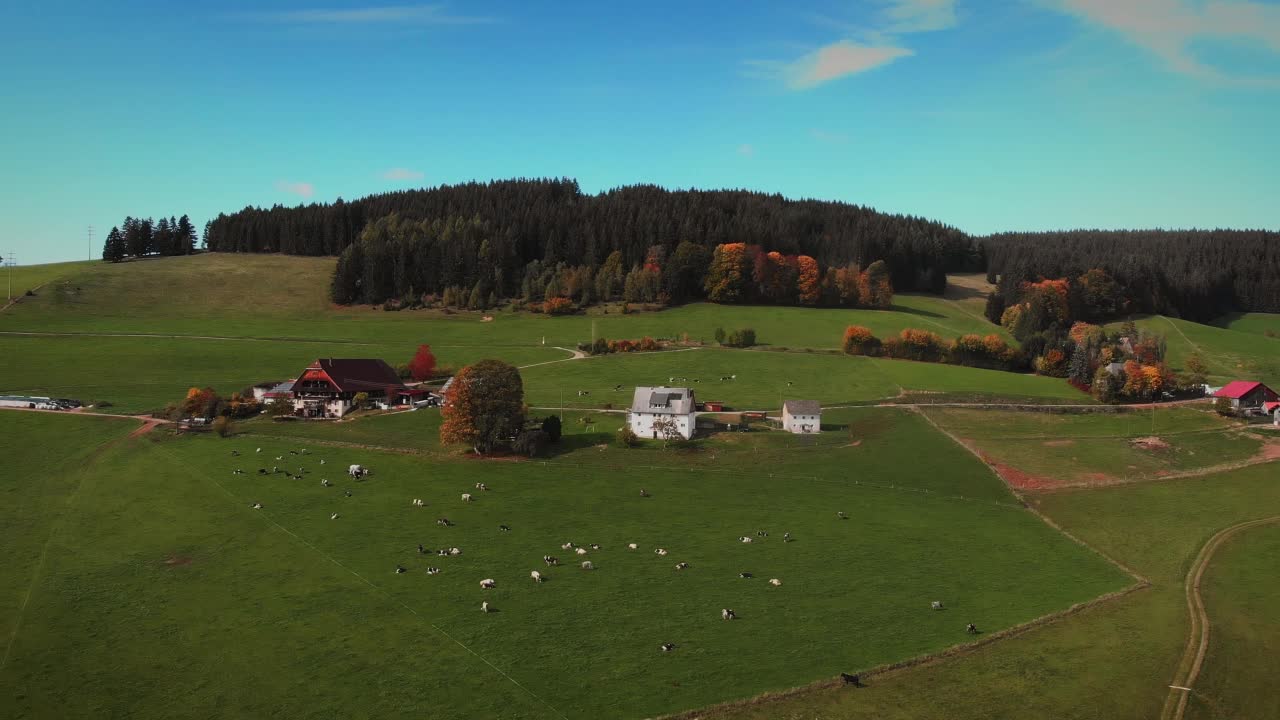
x: 909, y: 16
x: 1168, y: 28
x: 864, y: 47
x: 399, y: 14
x: 402, y: 174
x: 301, y: 189
x: 837, y: 60
x: 746, y: 150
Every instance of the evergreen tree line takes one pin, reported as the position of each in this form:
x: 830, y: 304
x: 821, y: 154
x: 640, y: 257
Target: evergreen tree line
x: 424, y: 241
x: 1193, y: 274
x: 137, y: 237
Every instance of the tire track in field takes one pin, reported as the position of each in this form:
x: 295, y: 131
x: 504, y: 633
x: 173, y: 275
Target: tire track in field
x: 1192, y: 661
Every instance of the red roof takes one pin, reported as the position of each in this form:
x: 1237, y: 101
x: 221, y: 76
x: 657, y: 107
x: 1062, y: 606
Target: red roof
x: 1270, y: 407
x: 1237, y: 389
x: 353, y: 375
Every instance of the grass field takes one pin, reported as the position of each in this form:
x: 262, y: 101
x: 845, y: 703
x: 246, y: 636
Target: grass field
x: 1244, y: 645
x: 1265, y: 324
x: 33, y: 277
x: 1229, y: 354
x: 162, y: 569
x: 1111, y: 661
x: 1102, y: 448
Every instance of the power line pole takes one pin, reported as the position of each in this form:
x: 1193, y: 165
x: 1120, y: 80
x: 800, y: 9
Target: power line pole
x: 91, y: 242
x: 9, y: 263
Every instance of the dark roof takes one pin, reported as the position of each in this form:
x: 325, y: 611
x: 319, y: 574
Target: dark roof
x: 802, y: 407
x: 663, y: 401
x: 358, y: 375
x: 1237, y: 389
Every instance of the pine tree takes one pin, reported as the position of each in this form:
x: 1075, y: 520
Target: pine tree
x: 113, y: 248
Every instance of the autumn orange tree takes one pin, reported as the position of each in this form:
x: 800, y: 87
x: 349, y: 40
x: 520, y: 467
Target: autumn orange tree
x: 423, y: 364
x: 729, y: 271
x: 484, y: 406
x: 808, y: 283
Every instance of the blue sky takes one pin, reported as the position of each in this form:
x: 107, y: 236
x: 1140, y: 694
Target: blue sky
x: 988, y: 115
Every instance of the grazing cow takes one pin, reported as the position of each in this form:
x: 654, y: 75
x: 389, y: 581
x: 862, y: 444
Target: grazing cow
x: 400, y: 569
x: 727, y: 614
x: 466, y: 497
x: 422, y: 550
x: 487, y: 584
x: 347, y: 493
x: 744, y: 539
x: 668, y: 647
x: 745, y: 575
x: 567, y: 546
x: 444, y: 522
x: 257, y: 506
x: 333, y: 516
x: 595, y: 546
x: 775, y: 582
x: 936, y: 604
x: 537, y: 576
x: 504, y: 528
x: 325, y: 483
x: 583, y: 393
x: 484, y: 606
x: 259, y: 450
x: 971, y: 629
x: 661, y: 551
x: 586, y: 565
x: 357, y: 471
x: 455, y: 551
x: 616, y: 388
x: 279, y: 457
x: 443, y: 552
x: 433, y: 571
x: 235, y: 453
x: 762, y: 533
x: 841, y: 515
x: 550, y: 560
x: 293, y: 452
x: 644, y: 493
x: 682, y: 566
x: 481, y: 486
x: 581, y: 551
x: 321, y: 461
x: 851, y: 679
x: 786, y: 537
x: 631, y: 546
x: 237, y: 472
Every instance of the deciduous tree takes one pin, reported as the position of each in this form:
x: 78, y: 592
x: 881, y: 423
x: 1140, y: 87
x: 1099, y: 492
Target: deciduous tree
x: 484, y: 407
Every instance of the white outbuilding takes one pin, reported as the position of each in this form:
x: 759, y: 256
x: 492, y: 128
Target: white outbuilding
x: 655, y: 408
x: 801, y: 416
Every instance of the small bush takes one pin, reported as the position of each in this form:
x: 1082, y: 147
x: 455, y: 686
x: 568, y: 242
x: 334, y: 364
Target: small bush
x: 222, y: 426
x: 627, y: 437
x: 557, y: 306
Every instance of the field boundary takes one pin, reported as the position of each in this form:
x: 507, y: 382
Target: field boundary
x: 889, y: 669
x: 1192, y: 660
x: 378, y: 590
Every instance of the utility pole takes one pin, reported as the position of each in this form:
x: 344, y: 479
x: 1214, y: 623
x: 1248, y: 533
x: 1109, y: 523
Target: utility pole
x: 91, y: 242
x: 9, y: 263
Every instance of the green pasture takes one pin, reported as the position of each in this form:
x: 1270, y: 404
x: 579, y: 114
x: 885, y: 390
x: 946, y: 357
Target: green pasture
x: 1111, y: 661
x: 164, y: 594
x: 1241, y: 594
x: 34, y: 277
x: 140, y: 374
x: 1229, y: 354
x: 1100, y: 448
x: 1265, y: 324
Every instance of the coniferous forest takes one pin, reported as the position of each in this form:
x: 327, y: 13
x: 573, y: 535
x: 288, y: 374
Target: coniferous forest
x: 539, y: 240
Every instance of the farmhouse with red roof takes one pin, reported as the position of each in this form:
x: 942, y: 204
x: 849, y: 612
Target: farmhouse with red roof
x: 327, y: 388
x: 1247, y: 396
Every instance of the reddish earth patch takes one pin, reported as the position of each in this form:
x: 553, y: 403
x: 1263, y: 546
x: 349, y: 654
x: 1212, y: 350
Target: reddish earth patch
x: 177, y: 560
x: 1269, y: 451
x: 147, y: 426
x: 1015, y: 478
x: 1059, y: 443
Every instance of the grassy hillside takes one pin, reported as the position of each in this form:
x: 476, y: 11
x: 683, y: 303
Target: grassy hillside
x: 34, y: 277
x: 1230, y: 355
x: 1265, y: 324
x: 166, y: 582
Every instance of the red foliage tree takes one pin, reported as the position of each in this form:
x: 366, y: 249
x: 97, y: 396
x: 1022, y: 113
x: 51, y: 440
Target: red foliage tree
x: 808, y: 281
x: 423, y: 364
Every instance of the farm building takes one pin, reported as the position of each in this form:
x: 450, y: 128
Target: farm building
x: 269, y: 392
x: 1247, y: 396
x: 801, y: 416
x: 651, y: 407
x: 327, y: 388
x: 1272, y: 409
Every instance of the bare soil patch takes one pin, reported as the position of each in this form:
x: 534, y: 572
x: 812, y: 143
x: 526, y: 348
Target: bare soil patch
x: 177, y: 560
x: 1059, y: 443
x: 1150, y: 443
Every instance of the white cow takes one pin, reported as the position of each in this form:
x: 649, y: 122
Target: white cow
x: 487, y: 583
x: 936, y: 604
x: 586, y: 565
x: 581, y: 551
x: 356, y: 471
x: 775, y: 582
x: 466, y: 497
x: 631, y: 546
x: 484, y: 606
x: 727, y: 614
x: 745, y: 539
x: 537, y: 576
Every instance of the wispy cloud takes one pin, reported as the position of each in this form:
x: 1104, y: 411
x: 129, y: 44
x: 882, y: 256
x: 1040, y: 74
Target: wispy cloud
x: 865, y: 47
x: 1170, y: 28
x: 746, y: 150
x: 388, y: 14
x: 402, y: 174
x: 301, y: 189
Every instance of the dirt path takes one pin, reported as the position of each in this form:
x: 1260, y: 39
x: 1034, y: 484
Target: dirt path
x: 1192, y: 662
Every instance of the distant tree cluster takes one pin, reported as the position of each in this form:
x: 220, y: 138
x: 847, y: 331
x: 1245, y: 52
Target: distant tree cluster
x: 1194, y: 274
x: 137, y: 237
x: 990, y: 352
x: 541, y: 239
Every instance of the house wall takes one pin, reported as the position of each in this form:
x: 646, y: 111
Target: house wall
x: 801, y: 423
x: 642, y: 424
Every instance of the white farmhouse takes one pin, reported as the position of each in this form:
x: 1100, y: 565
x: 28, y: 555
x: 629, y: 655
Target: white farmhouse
x: 659, y: 405
x: 801, y: 416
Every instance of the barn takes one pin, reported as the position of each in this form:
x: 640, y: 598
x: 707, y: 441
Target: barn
x: 801, y: 416
x: 652, y: 407
x: 327, y: 388
x: 1247, y: 396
